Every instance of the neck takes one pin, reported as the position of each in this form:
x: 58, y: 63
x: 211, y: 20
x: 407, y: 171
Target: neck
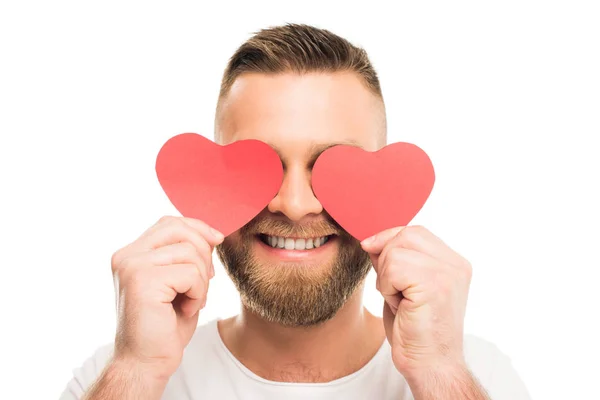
x: 328, y: 351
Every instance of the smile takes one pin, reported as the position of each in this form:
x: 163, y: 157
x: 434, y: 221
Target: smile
x: 289, y: 243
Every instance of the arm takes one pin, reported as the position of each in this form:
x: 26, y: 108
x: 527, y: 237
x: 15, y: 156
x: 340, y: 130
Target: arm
x: 457, y: 383
x: 425, y: 286
x: 489, y: 375
x: 120, y: 380
x: 161, y: 281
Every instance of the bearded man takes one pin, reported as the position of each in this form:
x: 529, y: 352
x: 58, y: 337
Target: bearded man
x: 302, y: 332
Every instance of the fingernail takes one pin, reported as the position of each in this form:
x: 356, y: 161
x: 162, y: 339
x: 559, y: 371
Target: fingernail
x: 368, y: 241
x: 218, y: 235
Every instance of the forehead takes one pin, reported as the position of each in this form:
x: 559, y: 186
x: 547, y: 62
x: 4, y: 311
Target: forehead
x: 297, y: 111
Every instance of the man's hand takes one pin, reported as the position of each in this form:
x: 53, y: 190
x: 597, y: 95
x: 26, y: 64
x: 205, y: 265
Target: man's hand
x: 425, y: 285
x: 161, y: 282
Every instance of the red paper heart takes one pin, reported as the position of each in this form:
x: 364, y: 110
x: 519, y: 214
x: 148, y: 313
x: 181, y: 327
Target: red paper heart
x: 224, y: 186
x: 368, y: 192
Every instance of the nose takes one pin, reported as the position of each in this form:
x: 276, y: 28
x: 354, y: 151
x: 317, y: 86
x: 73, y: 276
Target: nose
x: 296, y: 198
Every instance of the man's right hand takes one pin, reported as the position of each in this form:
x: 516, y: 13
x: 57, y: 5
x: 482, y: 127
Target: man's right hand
x: 161, y: 282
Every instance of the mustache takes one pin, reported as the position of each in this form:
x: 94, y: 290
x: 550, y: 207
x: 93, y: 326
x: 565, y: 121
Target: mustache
x: 281, y: 227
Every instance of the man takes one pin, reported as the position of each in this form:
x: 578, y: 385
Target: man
x: 302, y: 331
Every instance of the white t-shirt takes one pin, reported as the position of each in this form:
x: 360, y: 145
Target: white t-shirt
x: 210, y: 371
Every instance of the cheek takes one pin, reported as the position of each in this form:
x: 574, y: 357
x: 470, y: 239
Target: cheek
x: 233, y: 238
x: 234, y: 241
x: 229, y: 242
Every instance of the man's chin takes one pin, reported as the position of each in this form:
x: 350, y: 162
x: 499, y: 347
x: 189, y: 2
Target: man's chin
x: 294, y: 289
x: 291, y: 278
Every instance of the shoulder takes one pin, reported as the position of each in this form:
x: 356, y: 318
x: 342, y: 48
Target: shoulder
x: 90, y: 369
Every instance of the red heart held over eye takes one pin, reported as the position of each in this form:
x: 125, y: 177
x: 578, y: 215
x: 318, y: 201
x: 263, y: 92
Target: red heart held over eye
x: 224, y: 186
x: 368, y: 192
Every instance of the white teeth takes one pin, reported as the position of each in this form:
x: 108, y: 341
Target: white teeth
x: 289, y: 244
x: 295, y: 244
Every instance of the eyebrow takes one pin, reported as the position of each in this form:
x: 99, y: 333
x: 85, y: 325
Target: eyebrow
x: 317, y: 148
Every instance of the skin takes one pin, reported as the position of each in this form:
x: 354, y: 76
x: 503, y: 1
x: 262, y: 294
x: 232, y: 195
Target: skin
x: 424, y: 282
x: 299, y: 116
x: 296, y: 115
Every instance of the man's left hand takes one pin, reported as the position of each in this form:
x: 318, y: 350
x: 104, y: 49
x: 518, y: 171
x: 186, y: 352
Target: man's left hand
x: 425, y: 285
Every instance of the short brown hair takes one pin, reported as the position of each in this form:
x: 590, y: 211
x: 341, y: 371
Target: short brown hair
x: 297, y: 48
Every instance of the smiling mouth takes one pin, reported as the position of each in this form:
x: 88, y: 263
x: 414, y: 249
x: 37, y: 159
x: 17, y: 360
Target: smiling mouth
x: 289, y: 243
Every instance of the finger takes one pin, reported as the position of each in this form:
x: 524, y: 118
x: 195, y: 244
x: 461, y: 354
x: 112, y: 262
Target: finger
x: 401, y: 271
x: 376, y: 243
x: 184, y: 253
x: 178, y: 253
x: 204, y: 251
x: 214, y: 238
x: 169, y: 230
x: 173, y: 231
x: 218, y: 236
x: 399, y: 257
x: 422, y: 240
x: 388, y: 319
x: 184, y: 279
x: 375, y: 261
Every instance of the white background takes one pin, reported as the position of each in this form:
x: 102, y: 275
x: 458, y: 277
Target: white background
x: 504, y: 96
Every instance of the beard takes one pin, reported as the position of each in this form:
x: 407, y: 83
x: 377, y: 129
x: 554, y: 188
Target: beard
x: 294, y: 294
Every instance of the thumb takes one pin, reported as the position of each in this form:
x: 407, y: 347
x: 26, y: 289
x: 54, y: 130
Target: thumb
x: 388, y: 321
x: 376, y: 243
